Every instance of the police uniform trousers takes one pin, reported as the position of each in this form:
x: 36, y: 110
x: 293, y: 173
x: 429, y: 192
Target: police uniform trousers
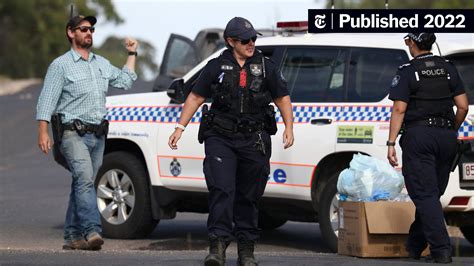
x: 427, y: 156
x: 236, y: 176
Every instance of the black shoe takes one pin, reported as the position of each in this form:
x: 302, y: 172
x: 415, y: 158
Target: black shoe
x: 217, y: 247
x: 415, y: 254
x: 439, y: 259
x: 245, y: 250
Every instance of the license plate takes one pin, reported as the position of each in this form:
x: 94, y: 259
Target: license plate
x: 468, y: 171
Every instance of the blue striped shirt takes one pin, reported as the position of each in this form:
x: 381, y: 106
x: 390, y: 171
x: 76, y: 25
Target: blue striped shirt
x: 77, y: 88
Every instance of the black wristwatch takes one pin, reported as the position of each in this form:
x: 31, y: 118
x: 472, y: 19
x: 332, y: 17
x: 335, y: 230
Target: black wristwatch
x: 133, y: 53
x: 390, y: 143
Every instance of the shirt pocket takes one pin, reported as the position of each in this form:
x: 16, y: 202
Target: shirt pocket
x: 78, y: 83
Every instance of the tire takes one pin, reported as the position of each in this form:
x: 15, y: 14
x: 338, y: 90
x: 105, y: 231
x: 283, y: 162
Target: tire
x: 468, y: 232
x: 329, y: 213
x: 267, y: 222
x: 123, y: 197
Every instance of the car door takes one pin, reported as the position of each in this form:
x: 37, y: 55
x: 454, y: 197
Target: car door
x: 180, y: 56
x: 363, y: 124
x: 315, y: 79
x: 464, y: 62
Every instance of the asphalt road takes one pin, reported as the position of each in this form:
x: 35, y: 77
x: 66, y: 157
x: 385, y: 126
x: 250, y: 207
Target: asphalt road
x: 33, y: 198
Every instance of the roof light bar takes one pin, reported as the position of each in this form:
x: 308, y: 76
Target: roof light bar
x: 293, y: 26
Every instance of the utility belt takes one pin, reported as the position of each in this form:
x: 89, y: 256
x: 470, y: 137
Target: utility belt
x: 229, y: 125
x: 83, y: 128
x: 439, y: 122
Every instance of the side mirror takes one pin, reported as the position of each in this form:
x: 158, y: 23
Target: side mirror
x: 177, y: 91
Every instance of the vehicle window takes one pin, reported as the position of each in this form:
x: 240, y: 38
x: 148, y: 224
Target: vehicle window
x: 465, y: 64
x: 371, y: 71
x: 315, y: 74
x: 182, y: 58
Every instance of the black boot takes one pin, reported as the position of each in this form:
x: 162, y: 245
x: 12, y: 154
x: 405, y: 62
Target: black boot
x: 245, y: 249
x: 217, y: 247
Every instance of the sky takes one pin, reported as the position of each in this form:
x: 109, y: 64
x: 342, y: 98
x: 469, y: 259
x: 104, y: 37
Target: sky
x: 155, y: 20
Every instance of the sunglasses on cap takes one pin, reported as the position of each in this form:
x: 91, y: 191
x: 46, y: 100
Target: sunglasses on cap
x: 245, y: 42
x: 84, y: 29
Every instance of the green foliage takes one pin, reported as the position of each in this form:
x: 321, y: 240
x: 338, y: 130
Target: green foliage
x: 407, y: 4
x: 114, y: 50
x: 32, y: 32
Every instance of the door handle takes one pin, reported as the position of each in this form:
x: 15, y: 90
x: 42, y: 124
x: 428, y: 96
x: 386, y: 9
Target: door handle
x: 319, y: 121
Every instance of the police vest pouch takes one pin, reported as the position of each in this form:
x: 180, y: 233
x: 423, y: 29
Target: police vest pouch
x: 205, y: 125
x: 270, y: 120
x: 58, y: 130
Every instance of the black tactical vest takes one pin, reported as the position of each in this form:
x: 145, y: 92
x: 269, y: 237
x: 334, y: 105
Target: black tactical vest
x: 241, y: 90
x: 431, y: 95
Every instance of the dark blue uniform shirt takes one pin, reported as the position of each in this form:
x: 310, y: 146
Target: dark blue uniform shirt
x: 276, y: 84
x: 405, y: 80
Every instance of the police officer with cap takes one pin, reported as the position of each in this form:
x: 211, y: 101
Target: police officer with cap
x: 241, y: 82
x: 423, y: 92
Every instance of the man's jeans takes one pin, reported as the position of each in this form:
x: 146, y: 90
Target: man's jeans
x: 84, y: 156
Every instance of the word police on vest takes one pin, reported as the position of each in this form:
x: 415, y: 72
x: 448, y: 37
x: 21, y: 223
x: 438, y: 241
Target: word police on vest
x: 375, y: 21
x: 433, y: 72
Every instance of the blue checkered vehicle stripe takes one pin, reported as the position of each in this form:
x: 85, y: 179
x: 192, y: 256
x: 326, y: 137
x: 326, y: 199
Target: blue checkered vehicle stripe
x: 302, y: 114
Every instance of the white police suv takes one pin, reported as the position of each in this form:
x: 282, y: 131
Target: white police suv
x: 338, y: 84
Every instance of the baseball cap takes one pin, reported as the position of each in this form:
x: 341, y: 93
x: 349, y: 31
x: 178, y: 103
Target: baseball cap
x: 240, y: 28
x: 422, y: 37
x: 76, y: 20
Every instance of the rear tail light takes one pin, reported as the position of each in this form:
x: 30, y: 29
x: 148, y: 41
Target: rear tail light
x: 459, y: 201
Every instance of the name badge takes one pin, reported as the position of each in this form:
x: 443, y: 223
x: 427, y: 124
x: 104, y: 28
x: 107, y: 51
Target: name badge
x: 226, y: 67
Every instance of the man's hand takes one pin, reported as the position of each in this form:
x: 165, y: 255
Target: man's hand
x: 44, y: 142
x: 173, y: 140
x: 288, y: 138
x: 131, y: 44
x: 392, y: 156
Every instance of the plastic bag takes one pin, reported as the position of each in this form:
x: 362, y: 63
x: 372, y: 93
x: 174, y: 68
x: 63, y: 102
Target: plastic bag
x: 369, y: 179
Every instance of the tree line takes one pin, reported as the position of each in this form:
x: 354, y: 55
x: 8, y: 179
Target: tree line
x: 33, y: 34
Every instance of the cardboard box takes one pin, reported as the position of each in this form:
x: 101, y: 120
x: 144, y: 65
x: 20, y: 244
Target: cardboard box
x: 374, y: 229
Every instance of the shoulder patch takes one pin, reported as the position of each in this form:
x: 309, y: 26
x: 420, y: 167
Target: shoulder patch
x: 404, y: 65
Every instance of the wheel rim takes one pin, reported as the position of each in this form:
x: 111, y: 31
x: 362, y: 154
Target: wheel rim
x: 115, y: 196
x: 334, y: 214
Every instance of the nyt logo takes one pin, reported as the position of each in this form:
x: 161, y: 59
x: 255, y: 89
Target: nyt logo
x: 319, y: 21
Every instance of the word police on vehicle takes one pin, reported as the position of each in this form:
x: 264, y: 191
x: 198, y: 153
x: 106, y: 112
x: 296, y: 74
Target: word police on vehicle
x: 393, y: 20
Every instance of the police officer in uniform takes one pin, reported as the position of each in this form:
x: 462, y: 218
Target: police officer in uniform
x: 423, y: 92
x: 242, y: 83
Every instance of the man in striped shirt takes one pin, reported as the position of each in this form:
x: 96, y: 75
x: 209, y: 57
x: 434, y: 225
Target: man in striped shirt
x: 75, y: 87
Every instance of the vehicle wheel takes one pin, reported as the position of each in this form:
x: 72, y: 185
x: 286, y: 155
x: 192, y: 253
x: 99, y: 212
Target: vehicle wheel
x: 468, y: 232
x: 329, y: 213
x: 123, y: 197
x: 267, y: 222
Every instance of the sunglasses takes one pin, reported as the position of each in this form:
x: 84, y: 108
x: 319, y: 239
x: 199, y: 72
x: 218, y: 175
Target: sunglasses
x: 245, y: 42
x: 84, y: 29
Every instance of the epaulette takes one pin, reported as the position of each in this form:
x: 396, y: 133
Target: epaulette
x: 404, y: 65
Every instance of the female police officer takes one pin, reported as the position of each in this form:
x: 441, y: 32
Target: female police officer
x: 242, y: 83
x: 423, y: 92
